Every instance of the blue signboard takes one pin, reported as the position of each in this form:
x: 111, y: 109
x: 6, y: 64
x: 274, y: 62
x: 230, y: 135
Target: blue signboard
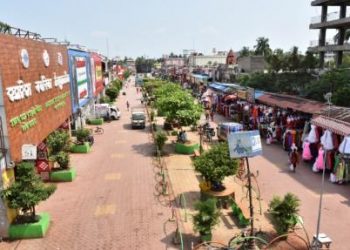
x: 245, y: 144
x: 80, y: 76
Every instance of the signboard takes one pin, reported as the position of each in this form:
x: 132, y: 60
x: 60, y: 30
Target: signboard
x: 245, y: 144
x: 28, y: 152
x: 250, y: 95
x: 82, y: 79
x: 242, y: 94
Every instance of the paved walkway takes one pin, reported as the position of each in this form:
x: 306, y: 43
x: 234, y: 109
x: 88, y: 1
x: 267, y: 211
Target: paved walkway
x: 111, y: 204
x: 275, y: 179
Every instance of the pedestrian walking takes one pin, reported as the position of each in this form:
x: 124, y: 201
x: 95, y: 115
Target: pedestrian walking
x: 293, y: 157
x: 127, y: 105
x: 207, y: 115
x: 211, y: 115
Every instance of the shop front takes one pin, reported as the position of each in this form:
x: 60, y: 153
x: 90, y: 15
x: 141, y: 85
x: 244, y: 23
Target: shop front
x: 81, y: 86
x: 328, y: 144
x: 35, y: 101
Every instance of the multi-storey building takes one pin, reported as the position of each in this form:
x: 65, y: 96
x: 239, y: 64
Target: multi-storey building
x: 339, y: 20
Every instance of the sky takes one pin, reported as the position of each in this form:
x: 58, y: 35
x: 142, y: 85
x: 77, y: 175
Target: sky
x: 152, y: 28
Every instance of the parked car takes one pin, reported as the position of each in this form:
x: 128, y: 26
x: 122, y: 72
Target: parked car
x: 107, y: 111
x: 225, y: 128
x: 138, y: 118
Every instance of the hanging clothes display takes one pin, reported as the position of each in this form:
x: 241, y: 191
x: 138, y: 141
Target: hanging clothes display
x: 313, y: 135
x: 327, y: 140
x: 320, y: 159
x: 344, y: 146
x: 306, y: 155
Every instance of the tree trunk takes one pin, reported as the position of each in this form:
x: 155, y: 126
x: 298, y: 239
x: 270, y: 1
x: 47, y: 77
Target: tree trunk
x: 33, y: 213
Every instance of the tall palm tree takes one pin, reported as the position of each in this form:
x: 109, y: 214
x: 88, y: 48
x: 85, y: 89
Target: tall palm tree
x: 262, y: 47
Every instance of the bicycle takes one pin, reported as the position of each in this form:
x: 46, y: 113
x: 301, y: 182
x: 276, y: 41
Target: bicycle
x: 97, y: 130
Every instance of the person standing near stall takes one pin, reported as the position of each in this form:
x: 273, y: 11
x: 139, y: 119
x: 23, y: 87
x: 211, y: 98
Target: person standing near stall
x: 293, y: 157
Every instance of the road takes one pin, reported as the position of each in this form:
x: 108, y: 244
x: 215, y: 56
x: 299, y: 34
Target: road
x: 111, y: 204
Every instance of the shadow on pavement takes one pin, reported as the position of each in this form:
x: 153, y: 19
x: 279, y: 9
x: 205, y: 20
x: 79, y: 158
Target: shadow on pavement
x: 146, y: 149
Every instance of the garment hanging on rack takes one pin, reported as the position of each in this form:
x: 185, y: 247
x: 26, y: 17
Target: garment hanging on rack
x: 344, y: 146
x: 327, y: 140
x: 312, y: 137
x: 306, y: 151
x: 320, y: 159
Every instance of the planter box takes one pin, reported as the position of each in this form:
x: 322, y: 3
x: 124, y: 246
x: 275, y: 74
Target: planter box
x: 187, y: 149
x: 30, y: 230
x: 63, y: 175
x: 83, y: 149
x: 98, y: 121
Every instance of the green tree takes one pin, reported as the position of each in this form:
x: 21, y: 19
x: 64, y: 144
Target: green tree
x: 126, y: 74
x: 177, y: 105
x: 216, y: 163
x: 294, y: 59
x: 26, y: 192
x: 112, y: 93
x: 309, y: 61
x: 244, y: 52
x: 5, y: 28
x: 284, y: 212
x: 276, y: 60
x: 341, y: 96
x: 262, y: 47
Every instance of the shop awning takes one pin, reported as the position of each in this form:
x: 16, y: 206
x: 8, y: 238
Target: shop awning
x: 334, y: 125
x: 220, y: 88
x: 291, y: 102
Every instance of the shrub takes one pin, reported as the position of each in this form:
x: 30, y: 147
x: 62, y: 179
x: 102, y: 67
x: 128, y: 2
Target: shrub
x: 207, y: 216
x: 284, y: 212
x: 58, y: 141
x: 62, y: 159
x: 174, y: 133
x: 160, y: 139
x: 82, y: 134
x: 26, y: 192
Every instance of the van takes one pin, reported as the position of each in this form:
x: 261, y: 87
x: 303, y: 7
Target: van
x: 225, y: 128
x: 107, y: 111
x: 138, y: 118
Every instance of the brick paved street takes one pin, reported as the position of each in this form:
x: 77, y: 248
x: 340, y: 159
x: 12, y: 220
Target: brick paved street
x: 111, y: 203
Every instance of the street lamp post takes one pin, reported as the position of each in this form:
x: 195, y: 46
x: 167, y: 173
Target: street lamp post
x: 315, y: 243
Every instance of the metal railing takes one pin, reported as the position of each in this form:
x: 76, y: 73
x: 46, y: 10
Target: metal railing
x: 314, y: 43
x: 330, y: 17
x: 167, y: 189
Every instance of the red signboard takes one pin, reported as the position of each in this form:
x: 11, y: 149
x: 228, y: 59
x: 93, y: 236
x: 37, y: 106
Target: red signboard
x: 42, y: 166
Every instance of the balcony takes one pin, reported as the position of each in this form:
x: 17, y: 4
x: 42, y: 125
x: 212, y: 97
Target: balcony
x: 332, y: 21
x: 331, y: 45
x: 329, y: 2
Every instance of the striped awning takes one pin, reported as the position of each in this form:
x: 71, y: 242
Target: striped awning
x: 334, y: 125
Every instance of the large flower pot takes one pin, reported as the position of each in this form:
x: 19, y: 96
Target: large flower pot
x: 98, y: 121
x: 186, y: 149
x: 63, y: 175
x: 30, y: 230
x: 83, y: 148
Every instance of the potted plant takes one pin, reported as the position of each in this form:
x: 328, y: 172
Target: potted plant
x: 215, y: 164
x: 284, y: 212
x: 84, y: 138
x: 24, y: 194
x: 206, y: 218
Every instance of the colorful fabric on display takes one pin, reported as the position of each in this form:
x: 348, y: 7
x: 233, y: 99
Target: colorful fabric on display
x: 306, y: 152
x: 320, y: 159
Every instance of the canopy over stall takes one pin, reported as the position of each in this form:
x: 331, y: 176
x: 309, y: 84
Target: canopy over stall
x: 335, y: 119
x: 291, y: 102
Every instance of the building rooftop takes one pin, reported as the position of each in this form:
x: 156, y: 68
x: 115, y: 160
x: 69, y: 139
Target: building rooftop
x: 330, y: 2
